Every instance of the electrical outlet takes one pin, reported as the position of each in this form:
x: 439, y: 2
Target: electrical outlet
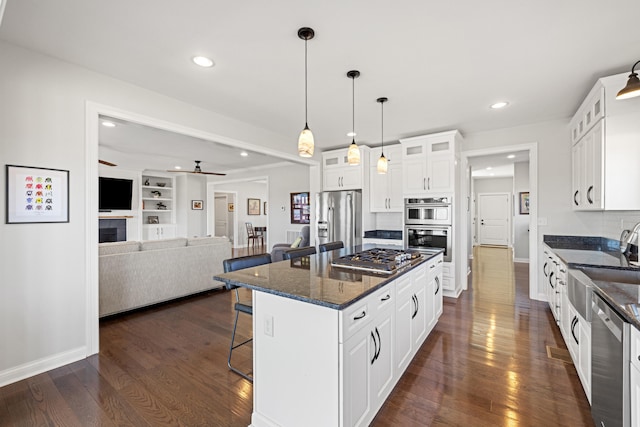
x: 268, y: 325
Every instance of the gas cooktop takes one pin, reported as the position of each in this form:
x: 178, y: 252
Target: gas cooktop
x: 377, y: 260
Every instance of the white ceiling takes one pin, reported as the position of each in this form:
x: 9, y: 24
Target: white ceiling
x: 441, y: 64
x: 496, y: 165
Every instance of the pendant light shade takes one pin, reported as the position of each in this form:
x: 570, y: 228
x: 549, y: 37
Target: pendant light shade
x: 305, y: 140
x: 632, y: 89
x: 383, y: 163
x: 353, y: 155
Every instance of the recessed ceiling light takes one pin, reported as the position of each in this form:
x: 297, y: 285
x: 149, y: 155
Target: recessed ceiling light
x: 489, y: 168
x: 108, y: 124
x: 500, y: 104
x: 177, y: 167
x: 203, y: 61
x: 492, y: 174
x: 244, y: 154
x: 511, y: 156
x: 351, y: 134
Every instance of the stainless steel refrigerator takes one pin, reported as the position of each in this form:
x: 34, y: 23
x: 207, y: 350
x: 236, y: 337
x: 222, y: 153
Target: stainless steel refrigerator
x: 339, y: 217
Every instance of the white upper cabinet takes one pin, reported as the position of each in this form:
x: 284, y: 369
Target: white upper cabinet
x: 385, y: 190
x: 429, y: 163
x: 605, y: 137
x: 338, y: 174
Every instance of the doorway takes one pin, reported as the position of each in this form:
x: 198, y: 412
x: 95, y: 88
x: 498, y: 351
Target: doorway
x: 494, y: 219
x: 529, y: 222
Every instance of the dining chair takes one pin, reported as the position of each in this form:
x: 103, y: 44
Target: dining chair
x: 234, y: 264
x: 331, y: 246
x: 253, y: 236
x: 299, y: 252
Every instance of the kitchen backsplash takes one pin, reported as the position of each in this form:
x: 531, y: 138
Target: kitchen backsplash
x: 614, y: 222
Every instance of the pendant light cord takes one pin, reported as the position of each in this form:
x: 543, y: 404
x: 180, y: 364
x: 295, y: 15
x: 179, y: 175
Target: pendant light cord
x: 382, y: 126
x: 353, y: 108
x: 306, y: 123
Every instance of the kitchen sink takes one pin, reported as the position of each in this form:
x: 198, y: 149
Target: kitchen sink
x: 612, y: 275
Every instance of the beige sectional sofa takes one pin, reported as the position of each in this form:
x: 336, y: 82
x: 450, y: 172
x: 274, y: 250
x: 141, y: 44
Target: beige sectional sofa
x: 137, y: 274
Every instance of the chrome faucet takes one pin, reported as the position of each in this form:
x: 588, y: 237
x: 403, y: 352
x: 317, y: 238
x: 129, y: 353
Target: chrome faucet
x: 628, y: 237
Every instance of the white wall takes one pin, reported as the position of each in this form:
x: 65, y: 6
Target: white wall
x: 245, y: 190
x: 282, y: 181
x: 44, y: 310
x: 520, y: 222
x: 191, y: 222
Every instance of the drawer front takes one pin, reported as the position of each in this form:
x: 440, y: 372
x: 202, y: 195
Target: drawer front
x: 354, y: 318
x: 383, y: 298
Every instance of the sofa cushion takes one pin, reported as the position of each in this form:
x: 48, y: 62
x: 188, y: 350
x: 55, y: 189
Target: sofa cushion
x: 296, y: 242
x: 150, y: 245
x: 198, y: 241
x: 112, y: 248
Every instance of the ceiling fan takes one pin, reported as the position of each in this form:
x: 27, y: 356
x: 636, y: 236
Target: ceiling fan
x: 198, y: 170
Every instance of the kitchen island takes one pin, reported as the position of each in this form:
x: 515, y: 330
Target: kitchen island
x: 330, y: 343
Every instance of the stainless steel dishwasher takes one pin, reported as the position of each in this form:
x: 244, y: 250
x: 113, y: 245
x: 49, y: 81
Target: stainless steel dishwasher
x: 609, y: 366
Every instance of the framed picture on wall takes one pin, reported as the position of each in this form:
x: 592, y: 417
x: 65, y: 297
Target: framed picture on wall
x: 230, y: 207
x: 36, y: 195
x: 253, y: 206
x: 196, y: 205
x: 524, y: 203
x: 300, y: 209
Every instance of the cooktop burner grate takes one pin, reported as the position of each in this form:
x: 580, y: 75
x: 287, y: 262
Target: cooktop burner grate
x: 377, y: 260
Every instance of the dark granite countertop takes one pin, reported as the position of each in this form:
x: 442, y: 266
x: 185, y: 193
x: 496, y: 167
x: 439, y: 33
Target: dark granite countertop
x: 383, y: 234
x: 597, y: 252
x: 314, y: 280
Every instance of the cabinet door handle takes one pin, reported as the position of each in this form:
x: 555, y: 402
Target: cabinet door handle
x: 428, y: 183
x: 415, y: 306
x: 424, y: 183
x: 360, y: 316
x: 544, y: 269
x: 574, y: 198
x: 589, y: 195
x: 551, y: 278
x: 379, y: 344
x: 433, y: 266
x: 385, y: 298
x: 375, y: 346
x: 437, y: 283
x: 440, y: 262
x: 574, y: 323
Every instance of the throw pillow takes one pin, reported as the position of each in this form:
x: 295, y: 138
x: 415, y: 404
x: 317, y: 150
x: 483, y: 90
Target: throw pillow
x: 296, y: 242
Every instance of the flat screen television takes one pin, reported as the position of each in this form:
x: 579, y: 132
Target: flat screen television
x: 114, y: 194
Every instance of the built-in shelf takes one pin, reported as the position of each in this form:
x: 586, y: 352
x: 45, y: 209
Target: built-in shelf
x: 115, y: 216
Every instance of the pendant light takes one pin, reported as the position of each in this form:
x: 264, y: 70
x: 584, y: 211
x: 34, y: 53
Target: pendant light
x: 382, y: 161
x: 632, y: 89
x: 353, y: 155
x: 305, y: 140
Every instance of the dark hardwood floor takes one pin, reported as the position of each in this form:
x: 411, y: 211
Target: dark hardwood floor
x: 485, y: 364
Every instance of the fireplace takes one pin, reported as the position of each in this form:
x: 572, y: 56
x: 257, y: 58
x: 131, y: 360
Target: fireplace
x: 112, y: 230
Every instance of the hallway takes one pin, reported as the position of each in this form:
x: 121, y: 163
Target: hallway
x: 486, y: 363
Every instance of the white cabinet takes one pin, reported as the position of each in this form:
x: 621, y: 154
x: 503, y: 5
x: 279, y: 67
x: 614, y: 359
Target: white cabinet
x: 338, y: 174
x: 158, y: 205
x: 603, y: 134
x: 414, y: 316
x: 587, y: 161
x: 429, y: 163
x: 435, y: 289
x: 385, y: 190
x: 578, y: 341
x: 158, y: 232
x: 634, y: 376
x: 357, y: 352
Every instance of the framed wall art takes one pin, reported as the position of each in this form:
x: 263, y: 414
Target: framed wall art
x: 524, y: 203
x: 196, y: 205
x: 300, y: 209
x: 253, y: 206
x: 36, y: 195
x: 230, y: 207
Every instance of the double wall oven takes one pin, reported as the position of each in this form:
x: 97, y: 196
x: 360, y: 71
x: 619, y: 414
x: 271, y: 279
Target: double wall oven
x: 427, y: 224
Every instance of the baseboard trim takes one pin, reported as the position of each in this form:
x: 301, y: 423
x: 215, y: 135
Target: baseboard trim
x: 36, y: 367
x: 525, y: 260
